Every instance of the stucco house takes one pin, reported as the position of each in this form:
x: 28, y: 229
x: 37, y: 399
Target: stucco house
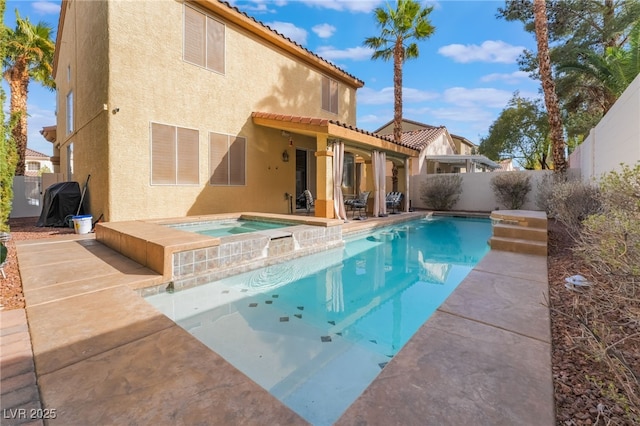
x: 440, y: 151
x: 36, y: 161
x: 179, y: 108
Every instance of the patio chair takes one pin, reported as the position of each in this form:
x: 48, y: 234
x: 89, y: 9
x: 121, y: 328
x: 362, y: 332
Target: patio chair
x: 393, y: 200
x: 308, y: 200
x: 360, y: 203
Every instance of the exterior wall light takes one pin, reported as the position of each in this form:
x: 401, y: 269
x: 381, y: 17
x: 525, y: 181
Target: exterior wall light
x: 285, y: 156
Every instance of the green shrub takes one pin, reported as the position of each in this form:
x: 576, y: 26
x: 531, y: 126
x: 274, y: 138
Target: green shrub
x: 610, y: 240
x: 441, y: 192
x: 572, y: 201
x: 511, y: 188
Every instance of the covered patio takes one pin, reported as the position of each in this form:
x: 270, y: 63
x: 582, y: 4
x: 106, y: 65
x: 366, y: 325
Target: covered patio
x: 347, y: 162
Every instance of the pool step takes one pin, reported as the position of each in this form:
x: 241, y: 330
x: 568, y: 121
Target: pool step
x: 517, y: 245
x: 519, y: 231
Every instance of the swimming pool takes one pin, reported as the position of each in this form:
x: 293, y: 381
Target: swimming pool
x: 223, y: 228
x: 315, y: 331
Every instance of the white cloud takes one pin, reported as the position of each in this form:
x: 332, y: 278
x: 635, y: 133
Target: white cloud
x: 368, y: 96
x: 509, y: 78
x: 297, y: 34
x: 324, y: 30
x: 259, y: 6
x: 46, y: 7
x: 360, y: 6
x: 488, y: 51
x: 354, y: 53
x: 482, y: 97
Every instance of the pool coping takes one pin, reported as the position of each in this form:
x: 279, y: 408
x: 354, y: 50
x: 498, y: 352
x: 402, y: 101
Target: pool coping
x: 91, y: 319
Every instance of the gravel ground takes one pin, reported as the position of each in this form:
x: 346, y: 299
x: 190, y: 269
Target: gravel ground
x: 585, y: 392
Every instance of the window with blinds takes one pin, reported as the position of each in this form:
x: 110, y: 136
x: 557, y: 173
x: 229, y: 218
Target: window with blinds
x: 203, y: 40
x: 174, y: 155
x: 227, y: 159
x: 329, y: 95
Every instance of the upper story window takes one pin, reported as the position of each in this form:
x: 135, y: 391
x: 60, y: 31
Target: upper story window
x: 174, y: 155
x: 70, y: 161
x: 227, y: 159
x: 329, y: 95
x: 203, y: 40
x: 33, y: 166
x: 69, y: 113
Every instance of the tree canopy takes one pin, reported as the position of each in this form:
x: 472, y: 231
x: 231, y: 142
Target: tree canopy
x: 521, y: 132
x: 576, y: 27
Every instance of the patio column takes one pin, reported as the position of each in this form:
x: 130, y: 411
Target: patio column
x: 324, y: 179
x: 407, y: 175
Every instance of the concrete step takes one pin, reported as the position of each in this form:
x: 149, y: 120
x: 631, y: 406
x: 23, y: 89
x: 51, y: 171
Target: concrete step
x: 517, y: 245
x: 528, y: 219
x: 519, y: 232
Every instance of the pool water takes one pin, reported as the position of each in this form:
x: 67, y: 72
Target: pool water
x: 223, y: 228
x: 315, y: 331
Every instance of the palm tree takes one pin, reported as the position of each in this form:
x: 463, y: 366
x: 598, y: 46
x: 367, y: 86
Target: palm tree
x: 548, y: 86
x: 407, y: 22
x: 29, y: 55
x: 613, y: 71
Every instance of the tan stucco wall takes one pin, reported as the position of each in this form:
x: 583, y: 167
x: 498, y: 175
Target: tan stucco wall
x: 82, y: 49
x: 147, y: 81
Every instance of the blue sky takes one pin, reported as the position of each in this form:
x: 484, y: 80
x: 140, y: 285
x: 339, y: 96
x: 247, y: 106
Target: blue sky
x: 465, y: 74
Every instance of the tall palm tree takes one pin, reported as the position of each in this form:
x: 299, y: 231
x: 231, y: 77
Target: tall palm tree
x: 399, y: 27
x: 29, y: 55
x: 548, y: 86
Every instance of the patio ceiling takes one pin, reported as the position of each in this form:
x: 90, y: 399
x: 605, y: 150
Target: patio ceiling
x: 352, y: 136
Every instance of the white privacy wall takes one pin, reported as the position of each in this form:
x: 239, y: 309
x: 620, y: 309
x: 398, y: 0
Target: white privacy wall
x: 477, y: 194
x: 615, y: 140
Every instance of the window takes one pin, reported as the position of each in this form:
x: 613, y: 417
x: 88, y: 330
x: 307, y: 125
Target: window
x: 174, y: 155
x: 70, y: 161
x: 69, y: 113
x: 329, y: 95
x: 33, y: 166
x: 227, y: 159
x: 203, y: 40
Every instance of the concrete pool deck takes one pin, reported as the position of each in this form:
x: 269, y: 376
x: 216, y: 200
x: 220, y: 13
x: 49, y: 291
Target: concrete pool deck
x: 104, y: 356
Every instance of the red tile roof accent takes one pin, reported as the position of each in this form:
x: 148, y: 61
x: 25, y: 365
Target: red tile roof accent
x: 31, y: 153
x: 420, y: 139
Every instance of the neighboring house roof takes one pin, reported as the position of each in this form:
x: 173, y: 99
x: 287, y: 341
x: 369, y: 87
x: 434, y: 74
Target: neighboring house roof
x: 404, y: 120
x: 421, y: 139
x: 31, y: 154
x: 233, y: 14
x: 337, y: 129
x: 429, y: 129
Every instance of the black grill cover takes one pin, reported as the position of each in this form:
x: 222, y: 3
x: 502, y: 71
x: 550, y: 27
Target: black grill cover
x: 60, y: 201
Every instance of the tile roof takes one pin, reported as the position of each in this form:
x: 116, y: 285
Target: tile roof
x: 420, y: 139
x: 31, y: 153
x: 324, y: 122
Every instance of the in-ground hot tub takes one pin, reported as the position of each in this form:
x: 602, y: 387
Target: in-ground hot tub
x: 186, y: 259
